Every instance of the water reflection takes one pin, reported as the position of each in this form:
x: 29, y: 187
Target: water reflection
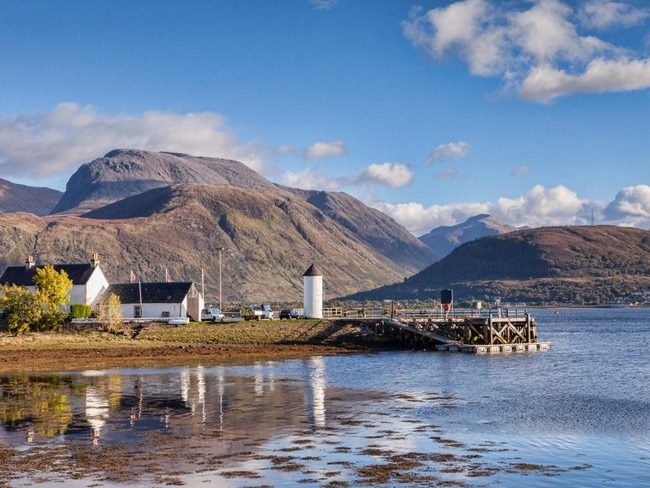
x: 315, y: 391
x: 563, y: 418
x: 111, y: 406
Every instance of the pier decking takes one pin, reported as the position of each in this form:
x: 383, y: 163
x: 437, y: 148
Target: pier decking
x: 486, y: 332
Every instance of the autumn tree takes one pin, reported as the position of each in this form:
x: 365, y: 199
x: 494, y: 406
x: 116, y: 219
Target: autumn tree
x: 109, y: 313
x: 55, y: 288
x: 41, y: 309
x: 22, y: 308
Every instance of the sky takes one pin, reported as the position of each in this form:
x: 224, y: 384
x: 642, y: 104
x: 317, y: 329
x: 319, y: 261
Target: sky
x: 536, y: 112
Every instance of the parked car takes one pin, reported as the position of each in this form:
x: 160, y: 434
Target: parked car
x: 289, y: 313
x: 213, y: 314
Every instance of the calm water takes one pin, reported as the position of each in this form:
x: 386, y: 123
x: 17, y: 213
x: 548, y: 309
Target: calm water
x: 576, y: 415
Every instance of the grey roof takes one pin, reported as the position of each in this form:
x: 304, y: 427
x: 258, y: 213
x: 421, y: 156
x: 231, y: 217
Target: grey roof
x: 24, y: 276
x: 162, y: 292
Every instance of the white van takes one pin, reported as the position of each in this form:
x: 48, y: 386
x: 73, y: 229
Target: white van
x: 213, y: 314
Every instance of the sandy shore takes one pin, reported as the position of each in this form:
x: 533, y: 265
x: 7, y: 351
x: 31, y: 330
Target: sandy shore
x: 157, y: 345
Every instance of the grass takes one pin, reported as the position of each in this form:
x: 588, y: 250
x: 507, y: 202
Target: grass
x: 265, y: 332
x: 162, y: 345
x: 251, y: 332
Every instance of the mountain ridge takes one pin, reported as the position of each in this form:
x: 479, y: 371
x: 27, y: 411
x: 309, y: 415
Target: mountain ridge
x: 23, y: 198
x: 444, y: 239
x: 580, y: 265
x: 359, y: 247
x: 121, y: 173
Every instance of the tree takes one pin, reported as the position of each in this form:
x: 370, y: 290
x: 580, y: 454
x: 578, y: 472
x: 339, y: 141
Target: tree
x: 55, y: 288
x: 21, y: 307
x: 109, y: 313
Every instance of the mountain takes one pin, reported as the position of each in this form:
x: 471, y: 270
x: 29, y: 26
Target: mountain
x: 123, y: 173
x: 443, y: 240
x: 126, y: 210
x: 584, y: 265
x: 21, y: 198
x: 374, y: 227
x: 268, y: 242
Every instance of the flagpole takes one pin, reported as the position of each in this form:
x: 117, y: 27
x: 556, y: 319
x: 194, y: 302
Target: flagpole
x: 203, y: 285
x: 220, y: 249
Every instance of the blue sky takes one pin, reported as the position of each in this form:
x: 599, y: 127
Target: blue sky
x: 536, y: 112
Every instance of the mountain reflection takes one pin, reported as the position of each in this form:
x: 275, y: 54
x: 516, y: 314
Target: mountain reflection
x: 108, y: 407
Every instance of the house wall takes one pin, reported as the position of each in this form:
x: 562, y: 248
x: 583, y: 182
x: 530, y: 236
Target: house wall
x: 155, y: 310
x: 96, y: 285
x: 77, y: 295
x: 89, y: 293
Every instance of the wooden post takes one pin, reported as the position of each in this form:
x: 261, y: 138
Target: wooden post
x: 490, y: 329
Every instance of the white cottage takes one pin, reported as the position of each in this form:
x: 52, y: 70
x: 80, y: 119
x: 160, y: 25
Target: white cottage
x: 88, y: 280
x: 158, y: 300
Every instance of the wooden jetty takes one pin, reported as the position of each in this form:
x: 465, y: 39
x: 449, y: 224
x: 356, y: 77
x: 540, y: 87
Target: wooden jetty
x: 478, y: 332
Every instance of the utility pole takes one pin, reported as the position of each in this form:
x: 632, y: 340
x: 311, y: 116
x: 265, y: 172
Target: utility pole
x: 220, y: 249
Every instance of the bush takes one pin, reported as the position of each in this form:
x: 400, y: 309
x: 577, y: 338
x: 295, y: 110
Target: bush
x: 80, y: 311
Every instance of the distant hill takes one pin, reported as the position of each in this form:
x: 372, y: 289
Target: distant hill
x: 22, y: 198
x: 126, y: 210
x: 443, y: 240
x: 588, y: 265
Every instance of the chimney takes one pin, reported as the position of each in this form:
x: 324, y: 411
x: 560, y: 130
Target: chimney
x: 30, y: 262
x: 95, y: 260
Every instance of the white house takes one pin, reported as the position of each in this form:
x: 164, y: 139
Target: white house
x: 158, y: 300
x: 88, y: 280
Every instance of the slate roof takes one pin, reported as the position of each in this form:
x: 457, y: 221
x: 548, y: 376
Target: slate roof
x: 24, y: 276
x: 162, y: 292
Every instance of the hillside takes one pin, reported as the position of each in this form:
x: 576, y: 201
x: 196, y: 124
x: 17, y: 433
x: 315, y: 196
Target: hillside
x: 443, y: 240
x: 269, y: 240
x: 22, y: 198
x: 589, y: 265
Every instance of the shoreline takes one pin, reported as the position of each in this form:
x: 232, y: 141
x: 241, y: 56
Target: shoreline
x: 158, y: 345
x: 118, y: 357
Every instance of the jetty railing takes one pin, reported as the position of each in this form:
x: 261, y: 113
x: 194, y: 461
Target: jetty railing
x: 466, y: 328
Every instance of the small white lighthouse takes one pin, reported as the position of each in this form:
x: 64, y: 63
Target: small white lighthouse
x: 313, y: 293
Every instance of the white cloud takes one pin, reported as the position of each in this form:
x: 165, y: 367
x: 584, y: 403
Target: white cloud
x: 394, y: 175
x: 520, y: 171
x: 310, y: 179
x: 420, y: 220
x: 325, y: 150
x: 451, y: 150
x: 541, y: 206
x: 545, y: 83
x: 631, y: 206
x: 538, y: 207
x: 540, y: 49
x: 49, y: 144
x: 323, y: 4
x: 602, y: 14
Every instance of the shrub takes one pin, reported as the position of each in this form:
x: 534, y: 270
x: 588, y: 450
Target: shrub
x: 80, y: 311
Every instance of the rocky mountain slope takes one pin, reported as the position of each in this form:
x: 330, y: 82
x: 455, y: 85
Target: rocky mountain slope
x: 270, y: 234
x: 587, y: 264
x: 125, y: 172
x: 22, y: 198
x: 443, y: 240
